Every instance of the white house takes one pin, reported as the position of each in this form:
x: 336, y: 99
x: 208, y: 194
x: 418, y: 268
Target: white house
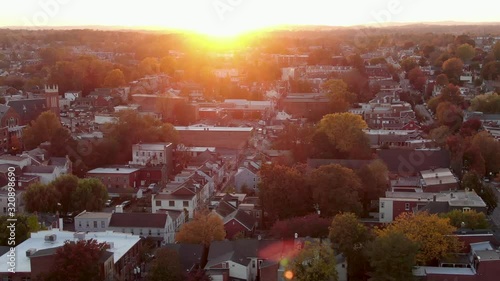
x: 46, y: 174
x: 152, y: 153
x: 248, y: 176
x: 92, y: 221
x: 159, y: 226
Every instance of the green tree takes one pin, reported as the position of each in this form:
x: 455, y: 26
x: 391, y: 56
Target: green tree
x: 491, y: 70
x: 350, y: 236
x: 149, y: 66
x: 78, y: 261
x: 432, y: 233
x: 314, y: 262
x: 470, y: 219
x: 453, y: 68
x: 340, y: 97
x: 133, y: 128
x: 392, y: 257
x: 335, y: 189
x: 90, y: 195
x: 41, y: 130
x: 61, y: 142
x: 345, y: 133
x: 472, y: 181
x: 115, y: 78
x: 490, y: 149
x: 25, y: 224
x: 205, y: 228
x: 465, y: 52
x: 41, y: 198
x: 440, y: 135
x: 374, y: 181
x: 489, y: 103
x: 166, y: 266
x: 283, y: 192
x: 167, y: 65
x: 66, y: 185
x: 408, y: 64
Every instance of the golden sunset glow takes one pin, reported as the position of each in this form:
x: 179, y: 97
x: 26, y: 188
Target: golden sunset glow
x: 226, y: 18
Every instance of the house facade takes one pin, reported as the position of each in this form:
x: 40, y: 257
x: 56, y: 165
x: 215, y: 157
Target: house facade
x: 158, y: 226
x: 119, y: 177
x: 92, y: 221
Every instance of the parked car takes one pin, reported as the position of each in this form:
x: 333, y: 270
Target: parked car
x: 108, y: 203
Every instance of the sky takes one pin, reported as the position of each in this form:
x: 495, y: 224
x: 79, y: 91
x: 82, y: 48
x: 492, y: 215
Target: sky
x: 228, y: 17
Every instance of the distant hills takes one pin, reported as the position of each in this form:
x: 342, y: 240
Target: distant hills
x: 440, y: 27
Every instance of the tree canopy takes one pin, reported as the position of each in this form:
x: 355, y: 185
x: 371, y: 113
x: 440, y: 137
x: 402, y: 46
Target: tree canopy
x: 345, y: 133
x: 283, y: 192
x: 392, y: 257
x: 470, y: 219
x: 432, y: 233
x: 350, y: 237
x: 203, y: 229
x: 487, y: 103
x: 43, y: 129
x: 335, y: 189
x: 166, y: 266
x: 314, y: 262
x: 66, y: 193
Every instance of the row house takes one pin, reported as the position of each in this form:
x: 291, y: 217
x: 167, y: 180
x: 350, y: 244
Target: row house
x: 480, y: 263
x: 396, y: 203
x: 184, y: 198
x: 159, y: 226
x: 118, y: 180
x: 36, y: 254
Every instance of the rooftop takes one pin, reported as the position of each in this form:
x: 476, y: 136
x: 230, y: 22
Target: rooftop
x: 214, y: 129
x: 455, y: 198
x: 113, y: 171
x: 122, y: 243
x: 93, y: 215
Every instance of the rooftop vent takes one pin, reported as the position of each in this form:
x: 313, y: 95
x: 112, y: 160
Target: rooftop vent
x: 50, y: 238
x: 30, y: 252
x: 79, y: 235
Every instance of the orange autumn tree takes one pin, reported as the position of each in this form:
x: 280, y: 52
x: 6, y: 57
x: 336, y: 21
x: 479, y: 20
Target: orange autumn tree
x: 203, y: 229
x: 433, y: 234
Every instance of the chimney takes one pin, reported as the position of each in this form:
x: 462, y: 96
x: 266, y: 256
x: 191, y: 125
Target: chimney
x: 118, y: 209
x: 61, y: 224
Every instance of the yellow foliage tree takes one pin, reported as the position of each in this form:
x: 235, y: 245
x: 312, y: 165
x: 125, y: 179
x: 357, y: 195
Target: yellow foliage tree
x: 203, y: 229
x: 344, y: 130
x: 433, y: 234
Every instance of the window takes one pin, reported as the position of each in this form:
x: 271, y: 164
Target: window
x: 161, y: 154
x: 185, y: 203
x: 79, y: 224
x: 102, y: 224
x: 171, y: 203
x: 407, y: 206
x: 149, y: 232
x: 95, y: 224
x: 466, y: 209
x: 382, y: 205
x: 382, y: 215
x: 253, y: 264
x: 158, y: 203
x: 88, y: 225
